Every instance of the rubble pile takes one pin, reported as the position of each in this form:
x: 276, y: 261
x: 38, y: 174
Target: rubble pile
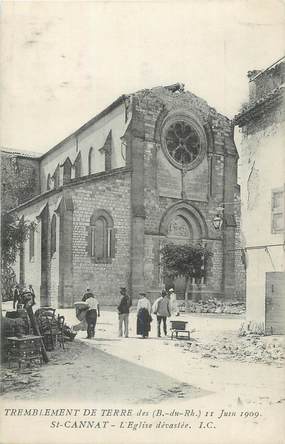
x: 215, y: 306
x: 250, y: 328
x: 252, y: 348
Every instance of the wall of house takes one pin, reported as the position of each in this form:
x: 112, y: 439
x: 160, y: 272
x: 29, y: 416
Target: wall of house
x: 262, y: 169
x: 94, y: 136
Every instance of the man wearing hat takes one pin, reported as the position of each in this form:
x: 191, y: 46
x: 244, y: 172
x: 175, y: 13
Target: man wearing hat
x: 124, y: 310
x: 161, y: 308
x: 92, y: 313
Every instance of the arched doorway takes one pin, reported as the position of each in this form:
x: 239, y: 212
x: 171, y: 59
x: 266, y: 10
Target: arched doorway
x: 179, y: 232
x: 182, y: 223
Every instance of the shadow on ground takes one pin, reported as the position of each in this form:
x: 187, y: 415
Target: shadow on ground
x: 81, y: 372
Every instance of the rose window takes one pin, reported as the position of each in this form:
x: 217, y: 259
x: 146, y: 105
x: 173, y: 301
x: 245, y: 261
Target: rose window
x: 182, y: 142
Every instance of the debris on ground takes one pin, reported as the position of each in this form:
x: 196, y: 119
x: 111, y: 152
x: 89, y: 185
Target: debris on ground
x: 253, y: 348
x: 249, y: 328
x: 214, y: 306
x: 14, y: 379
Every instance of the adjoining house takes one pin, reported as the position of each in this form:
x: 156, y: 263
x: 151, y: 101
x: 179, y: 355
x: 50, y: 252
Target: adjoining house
x: 153, y: 167
x: 262, y: 179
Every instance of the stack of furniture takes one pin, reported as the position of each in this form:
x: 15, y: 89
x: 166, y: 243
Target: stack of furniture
x: 24, y: 350
x: 51, y: 328
x: 48, y: 326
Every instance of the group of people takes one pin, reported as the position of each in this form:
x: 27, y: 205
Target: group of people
x: 164, y: 306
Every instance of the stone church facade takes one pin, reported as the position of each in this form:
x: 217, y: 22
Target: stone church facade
x: 154, y: 167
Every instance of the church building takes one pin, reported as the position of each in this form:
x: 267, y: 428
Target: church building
x: 155, y: 166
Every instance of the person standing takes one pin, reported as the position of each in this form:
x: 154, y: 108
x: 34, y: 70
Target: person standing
x: 143, y: 315
x: 88, y: 293
x: 91, y: 315
x: 16, y: 295
x: 32, y: 291
x: 173, y: 302
x: 124, y: 310
x: 161, y: 308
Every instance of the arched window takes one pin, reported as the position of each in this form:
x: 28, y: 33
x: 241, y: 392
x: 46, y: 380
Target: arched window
x: 90, y: 160
x: 53, y: 236
x: 48, y: 182
x: 67, y: 171
x: 77, y: 165
x: 56, y: 177
x: 107, y: 151
x: 101, y: 238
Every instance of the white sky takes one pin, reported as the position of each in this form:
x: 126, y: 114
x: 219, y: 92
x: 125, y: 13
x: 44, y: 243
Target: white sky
x: 63, y: 62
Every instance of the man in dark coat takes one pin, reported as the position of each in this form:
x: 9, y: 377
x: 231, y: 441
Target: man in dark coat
x: 16, y: 296
x: 124, y: 310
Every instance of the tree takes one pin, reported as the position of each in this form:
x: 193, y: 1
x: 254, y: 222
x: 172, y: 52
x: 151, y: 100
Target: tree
x: 14, y: 232
x: 187, y: 260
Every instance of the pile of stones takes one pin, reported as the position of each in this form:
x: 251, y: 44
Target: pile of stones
x: 215, y: 306
x: 254, y: 348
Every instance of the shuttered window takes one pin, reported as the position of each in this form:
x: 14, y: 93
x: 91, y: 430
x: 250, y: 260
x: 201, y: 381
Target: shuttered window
x: 101, y: 237
x: 277, y: 210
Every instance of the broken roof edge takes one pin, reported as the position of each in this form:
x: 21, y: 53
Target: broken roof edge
x: 272, y: 66
x: 249, y: 107
x: 173, y: 88
x: 179, y: 88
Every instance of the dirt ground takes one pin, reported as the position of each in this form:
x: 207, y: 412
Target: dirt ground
x: 69, y: 373
x: 216, y: 373
x: 214, y: 362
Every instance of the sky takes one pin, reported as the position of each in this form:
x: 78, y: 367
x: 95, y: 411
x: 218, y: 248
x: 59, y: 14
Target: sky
x: 62, y: 62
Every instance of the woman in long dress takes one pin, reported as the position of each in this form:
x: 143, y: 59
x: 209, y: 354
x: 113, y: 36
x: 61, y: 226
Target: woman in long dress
x: 143, y: 316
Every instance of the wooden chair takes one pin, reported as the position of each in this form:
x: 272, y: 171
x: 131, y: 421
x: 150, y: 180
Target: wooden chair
x: 60, y: 326
x: 45, y: 327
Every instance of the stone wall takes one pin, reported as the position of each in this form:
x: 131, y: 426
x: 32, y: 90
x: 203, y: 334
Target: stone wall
x: 203, y: 186
x: 111, y: 193
x: 70, y: 270
x: 32, y: 266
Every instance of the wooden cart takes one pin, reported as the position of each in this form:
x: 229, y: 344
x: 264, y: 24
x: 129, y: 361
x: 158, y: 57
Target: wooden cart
x: 178, y: 329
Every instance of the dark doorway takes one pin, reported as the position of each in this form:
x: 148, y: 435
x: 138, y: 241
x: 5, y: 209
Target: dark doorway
x: 275, y: 303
